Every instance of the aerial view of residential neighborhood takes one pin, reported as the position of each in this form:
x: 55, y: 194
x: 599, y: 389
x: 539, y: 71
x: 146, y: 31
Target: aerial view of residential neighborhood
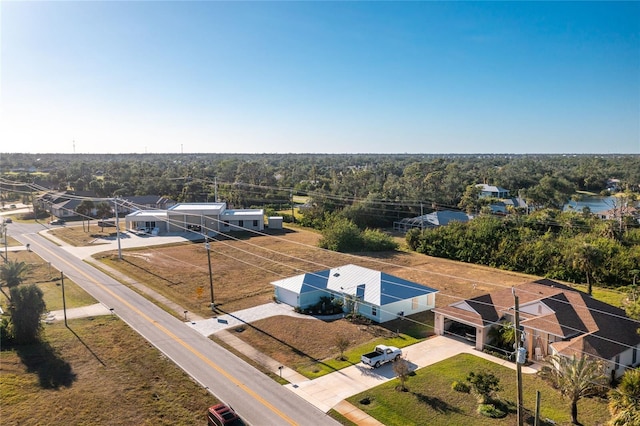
x: 320, y: 213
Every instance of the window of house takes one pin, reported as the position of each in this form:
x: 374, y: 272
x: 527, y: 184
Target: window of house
x: 617, y: 362
x: 241, y: 223
x: 374, y: 311
x: 634, y: 356
x: 255, y: 223
x: 414, y: 303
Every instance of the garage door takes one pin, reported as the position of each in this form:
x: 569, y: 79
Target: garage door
x: 287, y: 296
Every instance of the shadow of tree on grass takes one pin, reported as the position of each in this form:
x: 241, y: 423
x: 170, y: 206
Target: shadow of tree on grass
x: 40, y: 358
x: 437, y: 404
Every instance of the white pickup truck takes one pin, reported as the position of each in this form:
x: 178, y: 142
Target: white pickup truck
x: 380, y: 355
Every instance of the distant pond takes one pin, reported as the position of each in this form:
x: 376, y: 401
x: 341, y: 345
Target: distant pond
x: 596, y: 204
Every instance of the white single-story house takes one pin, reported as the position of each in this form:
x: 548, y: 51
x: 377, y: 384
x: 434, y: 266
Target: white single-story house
x: 555, y: 319
x: 373, y: 294
x: 205, y: 218
x: 492, y: 191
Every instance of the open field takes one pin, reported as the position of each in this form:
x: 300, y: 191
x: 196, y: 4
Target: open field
x: 243, y: 269
x: 97, y: 371
x: 431, y: 400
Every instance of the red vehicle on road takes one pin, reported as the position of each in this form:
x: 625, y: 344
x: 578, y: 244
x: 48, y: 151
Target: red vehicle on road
x: 222, y: 415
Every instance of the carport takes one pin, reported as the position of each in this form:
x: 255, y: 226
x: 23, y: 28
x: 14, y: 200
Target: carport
x: 456, y: 321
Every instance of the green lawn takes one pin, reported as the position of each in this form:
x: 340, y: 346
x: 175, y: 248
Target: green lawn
x: 610, y: 296
x: 431, y: 400
x: 353, y: 356
x: 74, y: 296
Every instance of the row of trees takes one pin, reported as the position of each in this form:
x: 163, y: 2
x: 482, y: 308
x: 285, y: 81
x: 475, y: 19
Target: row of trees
x: 567, y: 246
x: 401, y: 181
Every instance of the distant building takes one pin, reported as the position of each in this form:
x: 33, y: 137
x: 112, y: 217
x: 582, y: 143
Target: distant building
x: 205, y: 218
x: 492, y: 191
x: 431, y: 220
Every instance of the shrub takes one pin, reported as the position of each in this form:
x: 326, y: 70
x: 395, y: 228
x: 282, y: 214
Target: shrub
x: 484, y: 385
x: 490, y: 410
x: 5, y: 332
x: 375, y: 240
x: 460, y: 387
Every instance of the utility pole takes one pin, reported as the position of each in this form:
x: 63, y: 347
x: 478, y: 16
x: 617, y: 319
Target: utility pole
x: 293, y: 215
x: 6, y: 251
x: 536, y: 421
x: 519, y: 357
x: 208, y: 247
x: 115, y: 204
x: 64, y: 300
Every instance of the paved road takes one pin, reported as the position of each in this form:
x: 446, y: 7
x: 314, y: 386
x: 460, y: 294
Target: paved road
x: 257, y: 398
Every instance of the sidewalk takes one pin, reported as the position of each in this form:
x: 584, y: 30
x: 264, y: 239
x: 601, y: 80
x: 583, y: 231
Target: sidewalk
x: 223, y: 321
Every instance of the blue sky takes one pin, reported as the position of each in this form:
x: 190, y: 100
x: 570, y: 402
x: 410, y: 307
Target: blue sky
x: 326, y: 77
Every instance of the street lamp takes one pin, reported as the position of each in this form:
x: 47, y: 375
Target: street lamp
x: 208, y: 247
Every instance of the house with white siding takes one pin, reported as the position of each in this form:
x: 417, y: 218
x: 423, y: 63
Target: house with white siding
x: 492, y: 191
x: 373, y: 294
x: 205, y: 218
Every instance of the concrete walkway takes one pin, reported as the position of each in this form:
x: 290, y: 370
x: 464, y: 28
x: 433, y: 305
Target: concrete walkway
x: 209, y: 326
x: 94, y: 310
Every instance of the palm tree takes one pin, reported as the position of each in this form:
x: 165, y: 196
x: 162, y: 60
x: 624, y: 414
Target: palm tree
x: 12, y: 274
x: 586, y: 258
x: 84, y: 210
x: 624, y: 401
x: 577, y: 378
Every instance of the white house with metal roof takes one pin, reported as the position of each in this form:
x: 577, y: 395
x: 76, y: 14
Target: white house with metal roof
x: 205, y: 218
x: 492, y: 191
x: 376, y: 295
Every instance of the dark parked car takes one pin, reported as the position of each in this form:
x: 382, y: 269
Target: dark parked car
x: 57, y: 222
x: 8, y: 220
x: 222, y: 415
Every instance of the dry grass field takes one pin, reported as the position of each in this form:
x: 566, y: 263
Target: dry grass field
x: 77, y: 234
x: 97, y: 371
x: 243, y: 269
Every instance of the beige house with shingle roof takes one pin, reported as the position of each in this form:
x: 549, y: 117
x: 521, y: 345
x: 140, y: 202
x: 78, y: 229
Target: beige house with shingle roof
x: 555, y: 319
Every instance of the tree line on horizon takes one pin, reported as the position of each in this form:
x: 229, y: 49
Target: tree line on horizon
x: 371, y: 191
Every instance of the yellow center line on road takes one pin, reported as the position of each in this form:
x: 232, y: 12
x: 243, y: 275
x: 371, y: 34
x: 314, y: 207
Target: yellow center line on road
x: 180, y: 341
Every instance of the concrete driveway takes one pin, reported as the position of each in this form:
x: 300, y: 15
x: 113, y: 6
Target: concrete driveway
x: 327, y: 391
